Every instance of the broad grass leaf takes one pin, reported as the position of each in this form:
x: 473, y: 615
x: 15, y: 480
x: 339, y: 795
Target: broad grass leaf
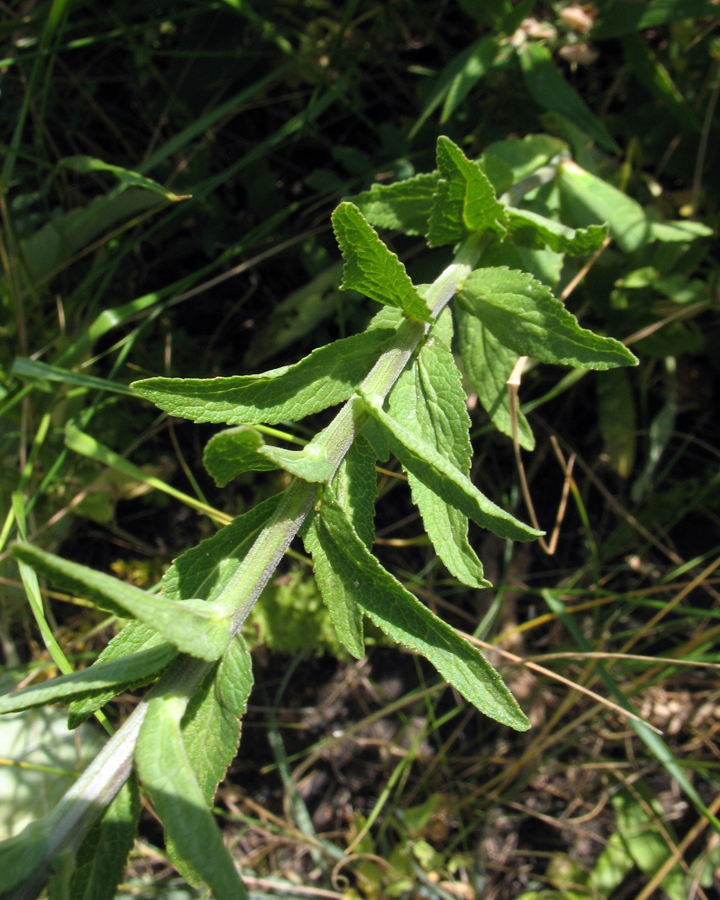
x: 585, y: 199
x: 167, y: 774
x: 404, y: 619
x: 402, y: 206
x: 101, y: 858
x: 205, y: 570
x: 371, y: 268
x: 191, y: 628
x: 464, y: 200
x: 137, y: 668
x: 134, y: 638
x: 429, y: 400
x: 524, y: 315
x: 476, y: 62
x: 618, y: 423
x: 211, y: 730
x: 442, y: 477
x: 536, y: 231
x: 523, y: 156
x: 625, y: 16
x: 488, y: 365
x: 550, y: 90
x: 328, y: 376
x: 234, y: 451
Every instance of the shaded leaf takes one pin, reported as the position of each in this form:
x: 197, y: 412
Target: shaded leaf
x: 532, y: 230
x: 549, y: 88
x: 625, y: 16
x: 523, y: 156
x: 234, y: 451
x: 476, y: 61
x: 616, y: 413
x: 402, y: 206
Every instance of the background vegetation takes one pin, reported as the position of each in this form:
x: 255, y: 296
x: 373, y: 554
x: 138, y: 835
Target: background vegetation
x: 168, y: 175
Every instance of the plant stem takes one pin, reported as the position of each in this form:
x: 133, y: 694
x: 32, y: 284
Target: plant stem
x: 86, y: 799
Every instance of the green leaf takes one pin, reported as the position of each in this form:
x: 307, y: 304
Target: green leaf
x: 446, y: 480
x: 126, y: 177
x: 625, y: 16
x: 139, y: 667
x: 211, y: 730
x: 653, y: 75
x: 167, y: 774
x: 100, y: 859
x: 524, y: 315
x: 403, y: 206
x: 191, y: 626
x: 643, y: 839
x: 24, y: 854
x: 464, y: 201
x: 328, y: 376
x: 355, y: 486
x: 205, y: 570
x: 532, y: 230
x: 371, y: 268
x: 310, y: 464
x: 526, y: 155
x: 497, y: 172
x: 488, y: 365
x: 476, y: 61
x: 134, y: 638
x: 234, y: 451
x: 35, y: 370
x: 404, y: 619
x: 618, y: 424
x: 586, y: 198
x: 549, y: 89
x: 429, y: 400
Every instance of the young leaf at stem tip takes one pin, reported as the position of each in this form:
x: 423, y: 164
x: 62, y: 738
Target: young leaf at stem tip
x: 371, y: 268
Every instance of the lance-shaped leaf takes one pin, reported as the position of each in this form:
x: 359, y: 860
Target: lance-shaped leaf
x: 442, y: 477
x: 532, y: 230
x: 548, y: 88
x: 428, y: 399
x: 135, y: 637
x: 355, y: 486
x: 190, y: 626
x: 404, y: 619
x: 100, y: 860
x: 328, y: 376
x: 234, y: 451
x: 524, y: 315
x: 167, y: 774
x: 371, y: 267
x: 205, y: 570
x: 523, y: 156
x: 139, y: 667
x: 585, y: 198
x: 464, y: 201
x: 488, y: 365
x: 403, y: 206
x: 211, y: 730
x: 23, y: 854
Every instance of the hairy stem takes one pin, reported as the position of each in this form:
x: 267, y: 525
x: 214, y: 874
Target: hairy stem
x: 104, y: 777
